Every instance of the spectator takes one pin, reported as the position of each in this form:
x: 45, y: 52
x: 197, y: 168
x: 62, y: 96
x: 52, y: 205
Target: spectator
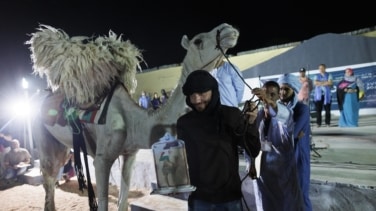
x: 16, y: 161
x: 306, y: 87
x: 212, y: 133
x: 144, y: 101
x: 289, y: 87
x: 164, y: 96
x: 349, y: 91
x: 5, y: 144
x: 278, y: 185
x: 155, y: 101
x: 323, y: 82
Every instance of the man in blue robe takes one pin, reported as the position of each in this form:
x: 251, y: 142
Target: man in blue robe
x: 290, y: 86
x: 278, y: 185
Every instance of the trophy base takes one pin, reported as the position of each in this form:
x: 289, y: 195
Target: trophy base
x: 178, y: 189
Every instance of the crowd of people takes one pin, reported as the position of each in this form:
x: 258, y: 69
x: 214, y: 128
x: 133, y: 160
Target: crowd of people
x: 15, y: 161
x: 350, y: 91
x: 280, y: 131
x: 147, y: 102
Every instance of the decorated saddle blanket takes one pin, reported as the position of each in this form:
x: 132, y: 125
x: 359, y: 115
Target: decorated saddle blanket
x: 96, y: 115
x: 56, y: 109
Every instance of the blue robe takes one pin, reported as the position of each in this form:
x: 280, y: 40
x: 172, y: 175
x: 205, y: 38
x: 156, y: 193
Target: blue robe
x: 348, y: 102
x: 278, y: 184
x: 301, y: 134
x: 303, y: 149
x: 349, y: 116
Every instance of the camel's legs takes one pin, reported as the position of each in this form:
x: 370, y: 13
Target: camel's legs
x: 126, y: 170
x: 50, y: 167
x: 52, y: 155
x: 106, y: 153
x: 102, y: 172
x: 49, y: 188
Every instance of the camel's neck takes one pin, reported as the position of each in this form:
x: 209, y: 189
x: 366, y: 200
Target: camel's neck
x: 167, y: 115
x: 208, y: 66
x: 176, y: 105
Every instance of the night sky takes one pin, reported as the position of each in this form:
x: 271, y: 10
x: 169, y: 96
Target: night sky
x: 156, y: 26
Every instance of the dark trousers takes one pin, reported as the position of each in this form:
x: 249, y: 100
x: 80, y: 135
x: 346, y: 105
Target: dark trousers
x: 319, y: 106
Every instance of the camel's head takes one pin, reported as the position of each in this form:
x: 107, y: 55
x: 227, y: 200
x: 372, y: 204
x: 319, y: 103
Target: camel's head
x: 203, y: 50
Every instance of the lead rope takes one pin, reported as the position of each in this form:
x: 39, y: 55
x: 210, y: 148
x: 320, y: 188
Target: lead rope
x: 78, y: 145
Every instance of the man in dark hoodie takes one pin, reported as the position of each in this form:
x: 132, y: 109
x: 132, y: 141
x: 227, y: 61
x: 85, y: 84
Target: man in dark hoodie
x: 212, y: 133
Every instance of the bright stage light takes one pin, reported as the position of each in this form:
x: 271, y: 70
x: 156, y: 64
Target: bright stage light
x: 20, y: 108
x: 19, y: 105
x: 25, y: 84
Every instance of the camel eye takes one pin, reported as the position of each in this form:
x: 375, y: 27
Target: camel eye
x: 198, y: 43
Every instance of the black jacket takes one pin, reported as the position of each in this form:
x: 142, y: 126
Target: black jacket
x: 212, y: 140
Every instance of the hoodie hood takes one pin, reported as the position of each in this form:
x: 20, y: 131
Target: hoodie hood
x: 200, y: 81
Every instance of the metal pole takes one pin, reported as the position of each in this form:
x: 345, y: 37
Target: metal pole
x: 29, y: 132
x: 28, y: 122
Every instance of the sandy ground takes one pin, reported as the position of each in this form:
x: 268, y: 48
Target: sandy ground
x: 325, y: 193
x: 25, y: 197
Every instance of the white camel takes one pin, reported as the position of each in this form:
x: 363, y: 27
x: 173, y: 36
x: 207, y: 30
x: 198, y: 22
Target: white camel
x: 127, y: 127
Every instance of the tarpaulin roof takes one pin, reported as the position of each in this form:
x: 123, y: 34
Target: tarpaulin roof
x: 331, y: 49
